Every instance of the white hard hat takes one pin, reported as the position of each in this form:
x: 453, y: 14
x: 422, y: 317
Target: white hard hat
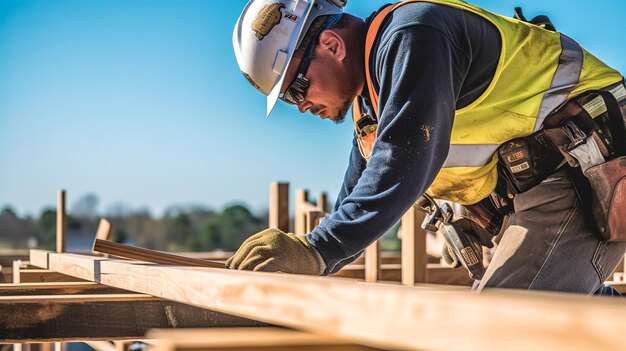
x: 268, y: 33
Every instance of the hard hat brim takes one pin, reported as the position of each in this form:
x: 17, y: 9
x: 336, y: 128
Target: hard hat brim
x: 272, y: 97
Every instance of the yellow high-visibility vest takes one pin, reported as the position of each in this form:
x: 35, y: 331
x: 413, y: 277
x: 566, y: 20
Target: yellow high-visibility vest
x: 537, y: 72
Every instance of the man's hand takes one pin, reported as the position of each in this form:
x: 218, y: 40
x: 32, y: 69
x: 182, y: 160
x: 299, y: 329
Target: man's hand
x: 477, y: 235
x: 272, y: 250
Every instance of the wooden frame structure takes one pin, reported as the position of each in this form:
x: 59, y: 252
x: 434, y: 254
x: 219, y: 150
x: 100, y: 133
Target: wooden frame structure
x: 150, y: 289
x: 379, y: 315
x: 411, y: 268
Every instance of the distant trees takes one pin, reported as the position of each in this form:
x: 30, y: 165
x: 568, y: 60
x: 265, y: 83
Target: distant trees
x: 228, y: 229
x: 181, y: 228
x: 86, y: 206
x: 16, y: 232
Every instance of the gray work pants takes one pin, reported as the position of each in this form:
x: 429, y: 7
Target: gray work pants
x: 549, y: 245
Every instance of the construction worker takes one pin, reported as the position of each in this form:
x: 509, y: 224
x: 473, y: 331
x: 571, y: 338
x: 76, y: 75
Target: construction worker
x: 455, y: 102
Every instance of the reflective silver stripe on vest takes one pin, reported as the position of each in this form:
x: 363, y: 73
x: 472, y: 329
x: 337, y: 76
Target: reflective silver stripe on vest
x: 461, y: 155
x: 564, y: 80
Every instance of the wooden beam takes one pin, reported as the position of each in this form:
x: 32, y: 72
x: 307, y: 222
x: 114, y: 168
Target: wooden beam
x: 414, y: 257
x: 104, y: 229
x: 312, y: 219
x: 39, y: 258
x: 138, y: 253
x: 301, y: 199
x: 99, y: 317
x: 322, y: 202
x: 385, y: 257
x: 60, y: 234
x: 391, y: 272
x: 279, y: 206
x: 15, y: 271
x: 249, y: 339
x: 57, y: 288
x: 384, y: 316
x: 372, y: 262
x: 42, y: 276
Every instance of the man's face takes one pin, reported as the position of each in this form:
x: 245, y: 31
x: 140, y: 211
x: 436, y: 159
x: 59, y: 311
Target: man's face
x: 329, y: 94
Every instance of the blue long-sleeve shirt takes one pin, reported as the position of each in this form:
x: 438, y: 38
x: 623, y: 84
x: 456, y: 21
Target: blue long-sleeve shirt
x: 428, y: 60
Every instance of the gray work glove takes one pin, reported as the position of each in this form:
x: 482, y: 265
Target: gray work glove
x: 478, y: 236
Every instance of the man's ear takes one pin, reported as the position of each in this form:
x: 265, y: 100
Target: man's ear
x: 332, y: 42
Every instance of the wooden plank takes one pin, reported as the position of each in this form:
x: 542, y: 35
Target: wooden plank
x: 301, y: 200
x: 437, y: 274
x: 16, y: 271
x: 250, y: 339
x: 41, y: 276
x: 75, y: 265
x: 409, y: 318
x: 414, y: 257
x: 404, y: 317
x: 153, y: 256
x: 57, y: 288
x: 104, y: 229
x: 312, y: 219
x: 208, y: 255
x: 372, y: 262
x: 385, y: 257
x: 279, y: 206
x: 60, y: 233
x: 39, y: 258
x: 100, y: 317
x: 322, y: 202
x: 43, y: 299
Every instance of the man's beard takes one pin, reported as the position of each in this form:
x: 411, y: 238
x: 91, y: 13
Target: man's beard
x: 340, y: 117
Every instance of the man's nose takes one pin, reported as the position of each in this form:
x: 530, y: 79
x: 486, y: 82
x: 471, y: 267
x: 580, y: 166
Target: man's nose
x: 304, y: 106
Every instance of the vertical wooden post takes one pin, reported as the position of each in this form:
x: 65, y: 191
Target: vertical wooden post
x: 372, y: 262
x: 16, y: 271
x: 312, y: 219
x: 322, y: 202
x: 302, y: 197
x: 119, y: 345
x: 414, y: 258
x: 61, y: 245
x: 279, y: 206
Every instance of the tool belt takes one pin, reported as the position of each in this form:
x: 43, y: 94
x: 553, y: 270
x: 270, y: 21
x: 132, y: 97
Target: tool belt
x: 587, y: 136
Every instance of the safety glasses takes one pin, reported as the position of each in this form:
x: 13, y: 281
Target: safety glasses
x: 297, y: 89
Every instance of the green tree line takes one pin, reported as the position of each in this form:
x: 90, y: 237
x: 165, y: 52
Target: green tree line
x: 190, y: 229
x: 180, y: 228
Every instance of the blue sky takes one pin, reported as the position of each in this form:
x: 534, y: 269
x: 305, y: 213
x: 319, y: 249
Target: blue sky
x: 141, y: 102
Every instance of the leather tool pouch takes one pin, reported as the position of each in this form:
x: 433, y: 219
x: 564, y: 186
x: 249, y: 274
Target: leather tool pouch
x: 608, y: 206
x: 526, y: 161
x: 608, y: 180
